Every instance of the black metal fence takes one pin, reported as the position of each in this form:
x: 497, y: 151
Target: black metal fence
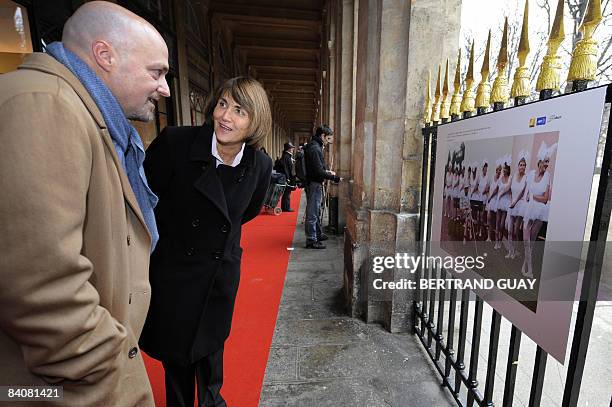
x: 448, y: 354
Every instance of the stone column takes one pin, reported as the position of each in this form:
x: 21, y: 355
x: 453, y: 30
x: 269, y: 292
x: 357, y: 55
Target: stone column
x: 332, y: 101
x: 357, y: 227
x: 343, y: 125
x: 394, y: 50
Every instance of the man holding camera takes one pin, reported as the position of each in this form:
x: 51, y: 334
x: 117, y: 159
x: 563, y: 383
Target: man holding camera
x: 316, y: 173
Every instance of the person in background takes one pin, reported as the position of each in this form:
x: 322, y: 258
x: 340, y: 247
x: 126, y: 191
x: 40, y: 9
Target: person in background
x: 316, y: 173
x: 288, y: 168
x: 210, y: 180
x: 300, y: 166
x: 77, y: 214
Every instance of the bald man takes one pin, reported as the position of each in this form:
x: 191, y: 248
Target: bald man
x: 76, y: 213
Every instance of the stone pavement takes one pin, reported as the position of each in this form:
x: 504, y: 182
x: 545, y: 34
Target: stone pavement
x: 320, y: 357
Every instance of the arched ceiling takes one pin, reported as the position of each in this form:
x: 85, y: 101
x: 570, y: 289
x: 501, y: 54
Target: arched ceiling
x: 279, y: 43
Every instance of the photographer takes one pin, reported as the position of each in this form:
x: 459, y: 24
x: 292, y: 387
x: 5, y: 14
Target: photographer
x: 316, y: 173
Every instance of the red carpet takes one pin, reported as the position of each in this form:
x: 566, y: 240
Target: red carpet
x: 264, y: 263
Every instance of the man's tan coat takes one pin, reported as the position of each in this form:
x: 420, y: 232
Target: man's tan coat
x: 74, y: 287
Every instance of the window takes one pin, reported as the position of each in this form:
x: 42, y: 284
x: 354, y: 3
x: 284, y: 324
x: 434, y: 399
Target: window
x: 197, y: 100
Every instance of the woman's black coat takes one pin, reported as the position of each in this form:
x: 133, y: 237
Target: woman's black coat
x: 195, y: 268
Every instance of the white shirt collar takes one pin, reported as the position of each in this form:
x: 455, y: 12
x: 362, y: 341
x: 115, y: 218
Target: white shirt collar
x: 215, y: 153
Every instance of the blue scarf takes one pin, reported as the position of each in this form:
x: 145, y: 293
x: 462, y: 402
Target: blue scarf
x: 128, y: 144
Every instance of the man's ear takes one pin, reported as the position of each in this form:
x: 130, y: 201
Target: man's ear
x: 103, y: 55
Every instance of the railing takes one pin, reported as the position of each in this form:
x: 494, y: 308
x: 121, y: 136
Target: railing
x: 448, y: 353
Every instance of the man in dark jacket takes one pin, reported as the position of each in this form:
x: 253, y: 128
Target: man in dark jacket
x: 316, y: 173
x: 287, y: 167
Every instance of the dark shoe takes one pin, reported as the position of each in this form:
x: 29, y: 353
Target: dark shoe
x: 323, y: 237
x: 315, y: 245
x: 289, y: 210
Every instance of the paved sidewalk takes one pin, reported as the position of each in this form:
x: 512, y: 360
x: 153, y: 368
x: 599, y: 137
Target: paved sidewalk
x: 321, y: 357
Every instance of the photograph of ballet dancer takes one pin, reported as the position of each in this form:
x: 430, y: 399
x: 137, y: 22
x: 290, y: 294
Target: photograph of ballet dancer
x: 496, y: 199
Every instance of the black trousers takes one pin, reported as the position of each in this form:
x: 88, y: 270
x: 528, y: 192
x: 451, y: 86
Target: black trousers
x: 286, y: 199
x: 207, y: 374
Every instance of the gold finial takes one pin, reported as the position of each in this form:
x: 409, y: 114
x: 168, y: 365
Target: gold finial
x: 467, y: 103
x: 520, y: 86
x: 483, y: 92
x: 584, y: 57
x: 455, y: 108
x: 592, y: 18
x: 549, y: 77
x: 435, y: 115
x: 499, y: 94
x: 444, y: 110
x: 427, y: 113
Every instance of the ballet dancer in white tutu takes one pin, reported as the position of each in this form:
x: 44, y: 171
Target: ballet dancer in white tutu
x: 481, y: 197
x: 503, y: 202
x: 536, y: 208
x: 492, y: 196
x: 448, y: 180
x: 465, y: 208
x: 518, y: 192
x: 457, y: 187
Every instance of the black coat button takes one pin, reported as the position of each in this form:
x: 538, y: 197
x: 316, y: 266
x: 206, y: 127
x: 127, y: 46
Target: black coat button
x: 195, y: 223
x: 190, y: 251
x: 133, y: 352
x: 218, y: 255
x: 224, y: 229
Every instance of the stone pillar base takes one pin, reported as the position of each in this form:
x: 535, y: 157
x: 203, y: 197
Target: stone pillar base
x: 398, y: 317
x: 355, y: 256
x: 387, y: 233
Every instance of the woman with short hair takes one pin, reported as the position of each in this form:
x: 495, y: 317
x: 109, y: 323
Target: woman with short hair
x: 210, y: 180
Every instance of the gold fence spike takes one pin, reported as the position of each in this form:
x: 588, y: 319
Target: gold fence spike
x: 521, y: 85
x: 483, y: 92
x: 455, y: 108
x: 549, y: 76
x: 445, y: 108
x: 467, y: 102
x: 500, y: 93
x: 435, y: 112
x: 583, y: 66
x: 427, y: 113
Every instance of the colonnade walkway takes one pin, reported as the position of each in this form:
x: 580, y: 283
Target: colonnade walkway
x: 321, y: 357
